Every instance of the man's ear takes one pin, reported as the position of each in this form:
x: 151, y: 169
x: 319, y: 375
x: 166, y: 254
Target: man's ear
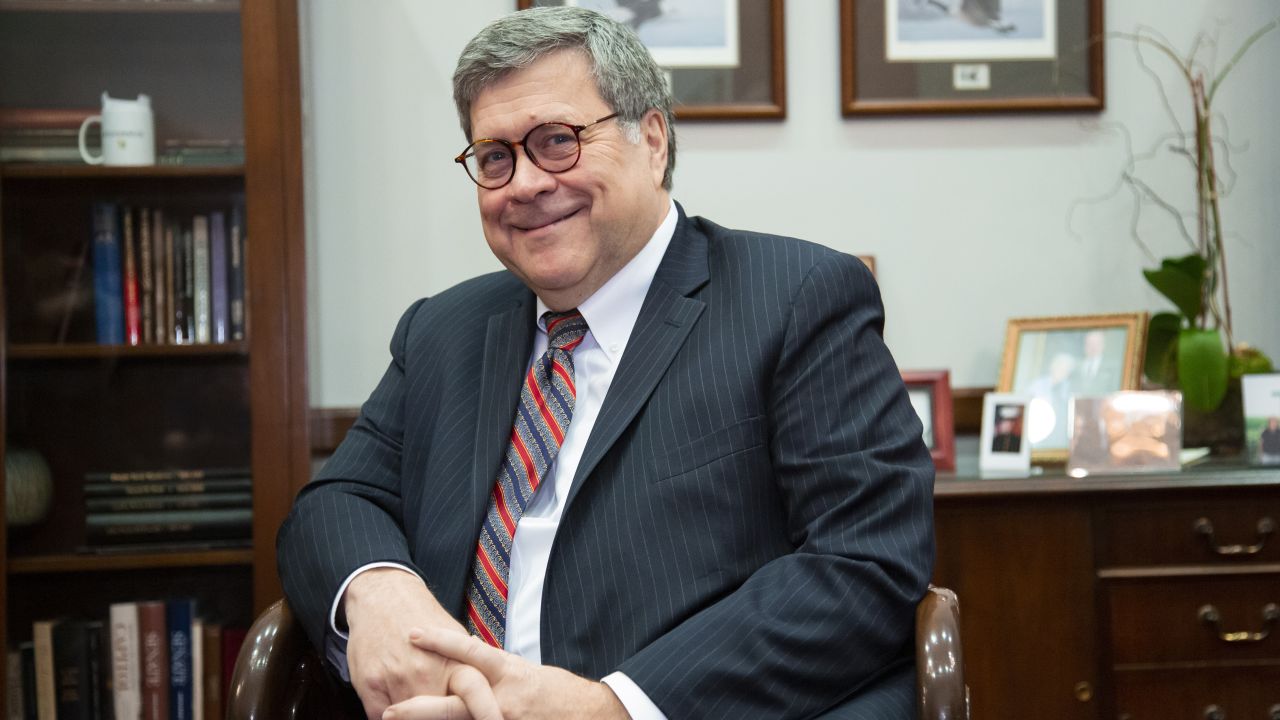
x: 653, y: 131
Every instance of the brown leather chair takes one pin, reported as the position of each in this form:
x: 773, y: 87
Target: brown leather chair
x: 279, y: 677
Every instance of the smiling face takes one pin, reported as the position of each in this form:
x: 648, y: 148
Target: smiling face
x: 565, y: 234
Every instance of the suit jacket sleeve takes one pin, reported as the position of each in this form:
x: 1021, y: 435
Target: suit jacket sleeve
x: 809, y: 628
x: 356, y: 497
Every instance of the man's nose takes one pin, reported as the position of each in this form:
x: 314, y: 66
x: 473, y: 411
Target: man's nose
x: 529, y: 180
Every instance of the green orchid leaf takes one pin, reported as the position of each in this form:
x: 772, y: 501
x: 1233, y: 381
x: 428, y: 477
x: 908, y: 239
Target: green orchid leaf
x: 1161, y: 362
x: 1202, y: 369
x: 1181, y: 280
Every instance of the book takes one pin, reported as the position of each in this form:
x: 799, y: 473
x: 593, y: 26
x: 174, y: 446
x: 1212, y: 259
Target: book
x: 153, y: 660
x: 153, y: 503
x: 219, y: 310
x: 150, y: 476
x: 168, y: 525
x: 126, y: 679
x: 132, y: 307
x: 236, y: 272
x: 28, y: 652
x: 189, y: 285
x: 211, y: 675
x: 13, y: 685
x: 200, y: 296
x: 146, y: 277
x: 33, y: 118
x: 162, y: 286
x: 46, y: 685
x: 180, y: 614
x: 180, y: 335
x: 170, y: 285
x: 197, y: 669
x: 108, y: 300
x: 77, y: 659
x: 173, y: 487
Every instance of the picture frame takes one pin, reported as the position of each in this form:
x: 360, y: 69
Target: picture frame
x: 752, y: 86
x: 1053, y: 359
x: 1126, y: 432
x: 930, y: 394
x: 1261, y: 396
x: 1003, y: 448
x: 935, y: 57
x: 870, y: 262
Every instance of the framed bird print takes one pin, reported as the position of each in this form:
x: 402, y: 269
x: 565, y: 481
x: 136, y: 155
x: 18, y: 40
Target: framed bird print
x: 724, y: 59
x: 970, y: 56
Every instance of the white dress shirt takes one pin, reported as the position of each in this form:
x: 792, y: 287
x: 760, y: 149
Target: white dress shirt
x: 611, y: 314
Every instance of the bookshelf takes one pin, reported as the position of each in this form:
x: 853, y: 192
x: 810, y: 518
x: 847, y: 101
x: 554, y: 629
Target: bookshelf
x: 214, y: 69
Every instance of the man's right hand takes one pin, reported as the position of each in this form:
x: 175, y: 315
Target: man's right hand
x: 381, y: 606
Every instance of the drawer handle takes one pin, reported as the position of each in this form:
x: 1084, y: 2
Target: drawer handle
x: 1213, y: 712
x: 1209, y: 615
x: 1204, y: 528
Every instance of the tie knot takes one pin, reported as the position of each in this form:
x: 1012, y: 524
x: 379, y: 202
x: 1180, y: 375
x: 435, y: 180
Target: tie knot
x: 565, y: 330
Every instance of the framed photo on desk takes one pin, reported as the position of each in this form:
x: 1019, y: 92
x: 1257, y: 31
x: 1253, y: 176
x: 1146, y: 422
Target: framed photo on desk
x: 930, y: 395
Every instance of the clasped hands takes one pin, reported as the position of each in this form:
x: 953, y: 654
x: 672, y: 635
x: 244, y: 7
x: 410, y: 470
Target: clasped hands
x: 410, y: 660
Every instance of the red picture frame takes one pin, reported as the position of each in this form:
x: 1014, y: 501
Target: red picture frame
x: 940, y: 432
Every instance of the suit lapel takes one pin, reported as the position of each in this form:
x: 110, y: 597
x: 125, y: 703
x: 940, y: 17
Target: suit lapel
x: 507, y: 344
x: 666, y: 318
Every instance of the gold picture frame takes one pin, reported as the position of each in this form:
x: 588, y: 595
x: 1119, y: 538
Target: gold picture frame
x: 1053, y: 359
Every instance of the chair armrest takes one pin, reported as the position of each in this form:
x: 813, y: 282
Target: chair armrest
x: 939, y: 660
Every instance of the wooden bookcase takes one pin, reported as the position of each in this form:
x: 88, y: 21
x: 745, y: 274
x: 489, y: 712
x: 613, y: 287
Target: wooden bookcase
x: 213, y: 68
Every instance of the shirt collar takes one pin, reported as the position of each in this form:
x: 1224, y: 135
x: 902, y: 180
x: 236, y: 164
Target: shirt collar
x: 611, y: 311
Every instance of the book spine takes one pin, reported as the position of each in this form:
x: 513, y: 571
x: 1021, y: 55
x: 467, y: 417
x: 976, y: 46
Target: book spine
x: 220, y: 314
x: 189, y: 284
x: 126, y: 681
x: 132, y: 310
x: 197, y: 669
x: 72, y: 671
x: 13, y: 685
x: 161, y: 278
x: 98, y: 649
x: 194, y: 501
x: 177, y: 525
x: 107, y: 298
x: 146, y: 277
x: 170, y: 285
x: 165, y: 475
x: 46, y: 685
x: 180, y: 285
x: 236, y: 251
x: 180, y: 613
x: 211, y: 650
x: 19, y: 117
x: 29, y: 709
x: 154, y: 659
x: 177, y: 487
x: 200, y: 277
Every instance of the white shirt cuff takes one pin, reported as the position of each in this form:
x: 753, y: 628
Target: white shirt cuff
x: 342, y: 590
x: 638, y: 705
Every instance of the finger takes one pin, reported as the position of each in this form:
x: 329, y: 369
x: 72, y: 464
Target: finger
x: 467, y: 683
x: 465, y: 649
x: 426, y: 707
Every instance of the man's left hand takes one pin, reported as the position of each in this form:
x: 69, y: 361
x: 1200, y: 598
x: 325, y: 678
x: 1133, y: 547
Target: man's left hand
x: 524, y: 691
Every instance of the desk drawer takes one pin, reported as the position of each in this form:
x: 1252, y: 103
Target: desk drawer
x: 1184, y: 619
x: 1240, y: 529
x: 1251, y: 693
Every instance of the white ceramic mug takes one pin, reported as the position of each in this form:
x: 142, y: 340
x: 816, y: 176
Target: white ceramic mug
x: 128, y: 133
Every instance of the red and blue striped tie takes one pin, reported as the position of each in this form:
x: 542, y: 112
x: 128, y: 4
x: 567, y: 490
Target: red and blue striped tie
x: 542, y: 418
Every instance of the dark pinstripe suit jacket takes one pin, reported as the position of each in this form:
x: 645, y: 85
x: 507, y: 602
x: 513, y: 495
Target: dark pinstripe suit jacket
x: 750, y: 526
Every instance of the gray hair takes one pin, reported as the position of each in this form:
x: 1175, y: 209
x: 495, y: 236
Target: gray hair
x: 626, y: 76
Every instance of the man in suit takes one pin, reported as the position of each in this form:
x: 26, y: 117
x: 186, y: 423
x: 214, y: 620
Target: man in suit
x: 713, y: 500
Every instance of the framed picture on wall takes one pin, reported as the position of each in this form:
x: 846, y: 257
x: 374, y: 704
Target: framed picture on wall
x: 930, y: 394
x: 960, y: 56
x: 724, y: 59
x: 1055, y: 359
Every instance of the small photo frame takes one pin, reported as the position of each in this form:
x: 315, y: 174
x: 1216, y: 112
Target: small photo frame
x: 1055, y: 359
x: 1126, y: 432
x: 1262, y: 417
x: 1004, y: 446
x: 930, y: 395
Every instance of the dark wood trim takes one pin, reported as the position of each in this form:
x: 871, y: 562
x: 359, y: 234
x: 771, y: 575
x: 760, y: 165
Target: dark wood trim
x: 277, y: 283
x: 4, y: 412
x: 967, y: 409
x: 127, y: 561
x: 80, y: 172
x: 89, y: 350
x: 122, y: 6
x: 329, y: 426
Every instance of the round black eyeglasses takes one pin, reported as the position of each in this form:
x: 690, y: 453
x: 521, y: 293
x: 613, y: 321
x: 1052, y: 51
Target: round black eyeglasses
x: 552, y: 146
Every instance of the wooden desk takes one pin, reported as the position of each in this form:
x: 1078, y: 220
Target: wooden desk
x: 1087, y: 598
